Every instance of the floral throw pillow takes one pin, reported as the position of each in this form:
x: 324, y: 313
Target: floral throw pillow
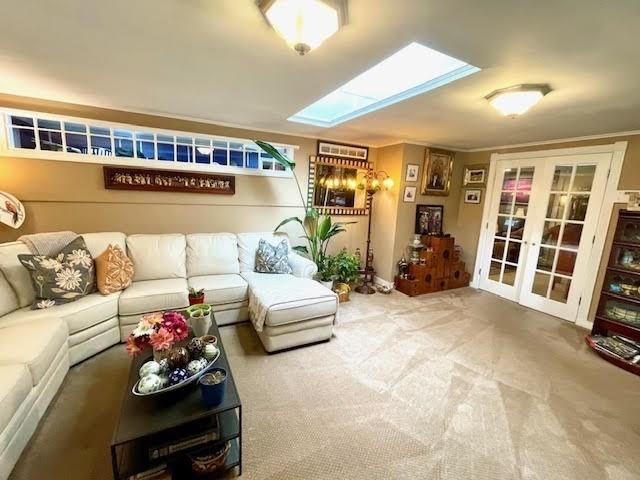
x: 114, y: 270
x: 64, y: 278
x: 272, y: 258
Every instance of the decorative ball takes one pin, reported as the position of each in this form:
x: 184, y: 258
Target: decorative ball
x: 177, y: 376
x: 164, y: 366
x: 195, y: 347
x: 150, y: 383
x: 165, y: 380
x: 178, y: 358
x: 196, y: 366
x: 151, y: 367
x: 210, y: 351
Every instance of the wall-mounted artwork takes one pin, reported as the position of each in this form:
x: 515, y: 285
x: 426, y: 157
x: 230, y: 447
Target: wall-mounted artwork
x: 339, y: 150
x: 124, y: 178
x: 332, y: 186
x: 412, y: 173
x: 429, y: 219
x: 11, y: 210
x: 436, y: 173
x: 472, y: 196
x: 475, y: 175
x: 409, y: 194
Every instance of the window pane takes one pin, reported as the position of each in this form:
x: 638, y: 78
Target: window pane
x: 124, y: 148
x: 522, y: 204
x: 557, y: 202
x: 498, y: 249
x: 165, y: 151
x: 76, y: 143
x: 75, y: 127
x: 24, y: 138
x: 220, y: 144
x: 203, y: 155
x: 566, y: 262
x: 203, y: 142
x: 506, y: 203
x: 509, y: 275
x: 545, y: 258
x: 185, y: 140
x: 144, y: 136
x: 49, y: 124
x: 502, y: 227
x: 267, y: 164
x: 513, y: 252
x: 551, y: 233
x: 252, y: 160
x: 185, y: 153
x: 146, y: 150
x: 165, y: 138
x: 100, y: 145
x: 235, y: 145
x: 517, y: 228
x: 494, y: 271
x: 571, y: 236
x: 123, y: 133
x: 540, y: 284
x: 236, y: 159
x: 525, y: 179
x: 279, y: 167
x: 562, y: 178
x: 220, y: 156
x: 560, y: 289
x: 100, y: 131
x: 21, y: 121
x: 50, y: 140
x: 509, y: 179
x: 578, y: 207
x: 584, y: 178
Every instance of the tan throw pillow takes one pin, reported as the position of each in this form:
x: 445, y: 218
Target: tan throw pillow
x: 114, y: 270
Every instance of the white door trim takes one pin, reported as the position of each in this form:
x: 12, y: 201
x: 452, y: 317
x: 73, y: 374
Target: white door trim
x: 611, y: 195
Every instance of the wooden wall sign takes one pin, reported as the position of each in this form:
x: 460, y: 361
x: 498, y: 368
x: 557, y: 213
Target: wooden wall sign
x: 124, y: 178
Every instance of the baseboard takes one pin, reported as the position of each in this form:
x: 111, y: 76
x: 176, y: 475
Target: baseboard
x: 381, y: 281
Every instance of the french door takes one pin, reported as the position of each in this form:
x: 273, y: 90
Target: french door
x: 544, y: 213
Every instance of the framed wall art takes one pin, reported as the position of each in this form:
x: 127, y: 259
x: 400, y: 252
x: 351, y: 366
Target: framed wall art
x: 436, y: 172
x: 412, y: 173
x: 409, y: 194
x: 429, y: 219
x: 472, y: 196
x: 475, y: 175
x: 339, y: 150
x: 332, y: 186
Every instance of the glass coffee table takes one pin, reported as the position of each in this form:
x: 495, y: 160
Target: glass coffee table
x: 166, y: 429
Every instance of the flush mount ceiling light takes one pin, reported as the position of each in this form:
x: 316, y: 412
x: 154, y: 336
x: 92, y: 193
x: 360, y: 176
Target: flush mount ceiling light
x: 516, y: 100
x: 305, y: 24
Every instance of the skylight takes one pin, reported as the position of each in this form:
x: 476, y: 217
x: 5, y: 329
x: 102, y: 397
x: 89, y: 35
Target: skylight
x: 409, y: 72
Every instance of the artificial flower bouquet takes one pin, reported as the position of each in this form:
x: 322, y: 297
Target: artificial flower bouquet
x: 159, y: 330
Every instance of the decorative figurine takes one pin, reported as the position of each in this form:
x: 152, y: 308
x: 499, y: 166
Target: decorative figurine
x: 403, y: 266
x: 358, y: 256
x: 177, y: 376
x: 150, y: 383
x: 150, y: 367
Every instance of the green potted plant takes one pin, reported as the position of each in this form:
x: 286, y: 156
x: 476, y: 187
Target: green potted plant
x: 196, y: 296
x: 346, y: 266
x: 326, y: 270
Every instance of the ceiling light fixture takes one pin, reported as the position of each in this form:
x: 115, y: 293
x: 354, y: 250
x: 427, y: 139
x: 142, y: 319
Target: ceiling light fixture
x: 516, y: 100
x: 305, y: 24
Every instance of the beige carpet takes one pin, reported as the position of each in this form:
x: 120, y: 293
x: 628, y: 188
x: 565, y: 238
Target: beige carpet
x: 457, y: 385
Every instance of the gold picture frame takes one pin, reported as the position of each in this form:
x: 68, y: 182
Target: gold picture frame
x: 437, y: 171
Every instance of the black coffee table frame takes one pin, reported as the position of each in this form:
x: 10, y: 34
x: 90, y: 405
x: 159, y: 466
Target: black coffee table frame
x: 147, y: 421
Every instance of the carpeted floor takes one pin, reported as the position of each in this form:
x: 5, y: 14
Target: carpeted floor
x: 457, y: 385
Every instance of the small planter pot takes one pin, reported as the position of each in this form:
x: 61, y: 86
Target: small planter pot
x: 328, y: 283
x: 196, y: 300
x: 200, y: 320
x: 213, y: 393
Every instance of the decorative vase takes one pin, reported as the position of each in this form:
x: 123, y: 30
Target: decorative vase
x: 200, y: 322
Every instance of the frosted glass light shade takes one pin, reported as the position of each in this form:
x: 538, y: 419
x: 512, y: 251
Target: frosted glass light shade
x: 517, y: 100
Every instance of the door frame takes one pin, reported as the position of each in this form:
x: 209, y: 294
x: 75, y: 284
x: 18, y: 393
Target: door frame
x: 618, y: 150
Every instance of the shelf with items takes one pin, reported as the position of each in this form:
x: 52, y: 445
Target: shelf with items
x: 617, y: 321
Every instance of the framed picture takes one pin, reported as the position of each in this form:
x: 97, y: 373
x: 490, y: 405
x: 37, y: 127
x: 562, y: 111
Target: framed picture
x: 436, y: 173
x: 412, y: 173
x: 475, y: 175
x: 410, y: 194
x: 339, y: 150
x: 429, y: 219
x: 472, y: 196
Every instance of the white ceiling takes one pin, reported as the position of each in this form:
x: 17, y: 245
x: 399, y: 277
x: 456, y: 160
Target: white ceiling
x: 218, y: 60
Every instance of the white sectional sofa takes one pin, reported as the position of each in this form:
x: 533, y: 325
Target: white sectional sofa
x: 37, y: 347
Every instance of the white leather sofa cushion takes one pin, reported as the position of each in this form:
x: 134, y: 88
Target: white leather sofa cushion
x: 34, y: 343
x: 83, y: 313
x: 15, y: 273
x: 15, y: 385
x: 248, y: 244
x: 157, y: 257
x: 8, y: 298
x: 154, y: 295
x: 299, y: 307
x: 220, y: 289
x: 212, y: 254
x: 97, y: 243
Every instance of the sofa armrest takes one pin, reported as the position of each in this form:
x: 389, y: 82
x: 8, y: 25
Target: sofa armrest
x: 302, y: 267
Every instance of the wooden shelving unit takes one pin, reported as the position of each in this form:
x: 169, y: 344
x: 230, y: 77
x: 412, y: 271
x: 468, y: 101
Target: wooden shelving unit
x: 618, y: 312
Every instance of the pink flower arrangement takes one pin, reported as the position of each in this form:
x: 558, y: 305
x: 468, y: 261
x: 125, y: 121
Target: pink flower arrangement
x: 160, y: 331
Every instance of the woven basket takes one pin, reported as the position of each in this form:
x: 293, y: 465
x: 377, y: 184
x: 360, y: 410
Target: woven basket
x: 203, y: 462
